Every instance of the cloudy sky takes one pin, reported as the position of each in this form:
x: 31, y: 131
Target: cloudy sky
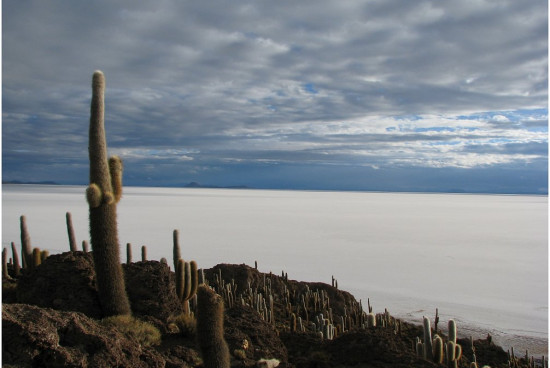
x: 347, y: 95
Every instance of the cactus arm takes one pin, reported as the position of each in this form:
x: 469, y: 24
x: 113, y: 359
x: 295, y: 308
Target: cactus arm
x: 115, y: 169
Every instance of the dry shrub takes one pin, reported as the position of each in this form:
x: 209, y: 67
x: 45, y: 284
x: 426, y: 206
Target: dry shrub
x: 144, y: 332
x: 186, y: 324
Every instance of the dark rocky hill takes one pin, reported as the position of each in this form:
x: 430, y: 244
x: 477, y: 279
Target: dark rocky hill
x: 51, y: 318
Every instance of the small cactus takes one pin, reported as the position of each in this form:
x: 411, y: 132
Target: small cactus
x: 143, y: 253
x: 85, y: 246
x: 43, y: 255
x: 177, y: 250
x: 70, y: 232
x: 5, y: 274
x: 438, y: 349
x: 128, y: 253
x: 428, y: 349
x: 371, y: 320
x: 15, y: 256
x: 452, y: 330
x: 36, y: 257
x: 454, y: 353
x: 25, y: 242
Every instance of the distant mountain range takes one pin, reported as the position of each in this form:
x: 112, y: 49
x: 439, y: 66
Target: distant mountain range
x: 195, y: 184
x: 30, y: 182
x: 192, y: 184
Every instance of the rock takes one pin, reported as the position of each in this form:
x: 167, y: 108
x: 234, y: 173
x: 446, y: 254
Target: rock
x: 151, y: 289
x: 63, y: 281
x: 43, y: 337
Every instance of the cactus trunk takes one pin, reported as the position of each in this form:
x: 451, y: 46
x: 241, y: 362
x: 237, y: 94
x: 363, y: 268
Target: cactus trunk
x: 215, y: 351
x: 103, y: 215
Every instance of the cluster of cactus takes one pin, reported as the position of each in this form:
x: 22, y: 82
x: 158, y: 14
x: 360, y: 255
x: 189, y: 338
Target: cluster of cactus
x: 31, y: 257
x: 296, y: 324
x: 301, y: 309
x: 228, y: 291
x: 435, y: 349
x: 254, y: 298
x: 324, y: 328
x: 515, y: 361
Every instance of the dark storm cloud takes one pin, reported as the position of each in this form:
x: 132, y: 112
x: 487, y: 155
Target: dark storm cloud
x: 192, y: 86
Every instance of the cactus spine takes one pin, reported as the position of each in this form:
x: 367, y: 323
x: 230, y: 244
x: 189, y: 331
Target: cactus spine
x: 215, y: 351
x: 102, y: 206
x: 70, y: 232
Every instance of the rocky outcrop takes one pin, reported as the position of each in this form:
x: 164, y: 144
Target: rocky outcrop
x: 152, y: 290
x: 67, y: 282
x: 43, y: 337
x: 63, y: 281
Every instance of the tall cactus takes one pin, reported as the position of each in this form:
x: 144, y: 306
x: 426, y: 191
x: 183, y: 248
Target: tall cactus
x: 215, y: 351
x: 102, y: 193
